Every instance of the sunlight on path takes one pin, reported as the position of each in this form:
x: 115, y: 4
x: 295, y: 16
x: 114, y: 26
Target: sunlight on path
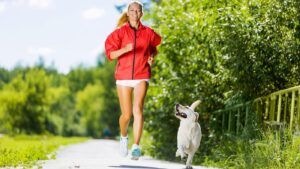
x: 103, y: 154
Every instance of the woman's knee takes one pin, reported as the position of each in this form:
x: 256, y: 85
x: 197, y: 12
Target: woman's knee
x: 138, y: 116
x: 126, y: 117
x: 138, y: 109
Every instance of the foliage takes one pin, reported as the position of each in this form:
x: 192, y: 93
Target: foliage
x: 24, y: 102
x: 41, y: 100
x: 221, y: 52
x: 266, y: 152
x: 4, y: 76
x: 261, y: 43
x: 111, y: 109
x: 90, y: 103
x: 189, y: 67
x: 62, y: 117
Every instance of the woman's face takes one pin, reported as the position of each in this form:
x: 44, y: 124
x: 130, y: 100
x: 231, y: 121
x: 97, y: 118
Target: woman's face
x: 134, y: 12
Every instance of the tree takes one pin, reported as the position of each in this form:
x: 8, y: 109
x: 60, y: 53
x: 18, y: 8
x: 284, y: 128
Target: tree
x: 4, y: 77
x: 24, y: 103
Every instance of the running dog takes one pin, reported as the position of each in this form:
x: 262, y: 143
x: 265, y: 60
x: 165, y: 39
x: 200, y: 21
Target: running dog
x: 189, y: 132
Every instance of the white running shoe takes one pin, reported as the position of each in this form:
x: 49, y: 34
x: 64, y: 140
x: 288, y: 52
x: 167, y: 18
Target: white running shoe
x: 123, y: 146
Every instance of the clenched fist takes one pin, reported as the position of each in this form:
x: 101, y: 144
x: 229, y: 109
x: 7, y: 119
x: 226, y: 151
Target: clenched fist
x: 150, y: 60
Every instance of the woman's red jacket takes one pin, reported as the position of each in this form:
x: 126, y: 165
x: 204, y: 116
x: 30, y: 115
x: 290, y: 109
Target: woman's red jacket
x: 133, y: 64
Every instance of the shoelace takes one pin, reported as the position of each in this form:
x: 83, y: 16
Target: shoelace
x: 123, y: 142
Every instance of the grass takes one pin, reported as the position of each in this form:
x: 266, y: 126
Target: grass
x: 26, y: 150
x: 265, y: 153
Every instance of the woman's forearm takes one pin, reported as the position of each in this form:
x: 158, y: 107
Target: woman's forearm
x: 117, y: 53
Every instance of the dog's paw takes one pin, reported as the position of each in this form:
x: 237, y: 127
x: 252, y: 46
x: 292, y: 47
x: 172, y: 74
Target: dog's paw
x: 189, y: 167
x: 180, y: 153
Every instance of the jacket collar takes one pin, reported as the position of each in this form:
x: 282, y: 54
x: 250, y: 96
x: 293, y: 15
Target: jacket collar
x: 141, y: 26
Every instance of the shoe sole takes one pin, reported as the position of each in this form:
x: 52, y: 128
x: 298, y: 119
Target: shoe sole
x: 134, y: 158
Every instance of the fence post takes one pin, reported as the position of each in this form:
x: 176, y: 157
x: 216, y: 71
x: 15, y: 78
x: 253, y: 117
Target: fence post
x: 267, y: 109
x: 292, y: 110
x: 272, y: 107
x: 285, y: 107
x: 279, y: 108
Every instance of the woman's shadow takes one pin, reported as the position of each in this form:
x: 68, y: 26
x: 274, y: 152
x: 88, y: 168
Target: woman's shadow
x: 135, y: 166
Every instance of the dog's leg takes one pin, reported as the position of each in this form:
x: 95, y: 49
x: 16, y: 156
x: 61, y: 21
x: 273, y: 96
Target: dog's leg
x: 180, y: 152
x: 189, y: 161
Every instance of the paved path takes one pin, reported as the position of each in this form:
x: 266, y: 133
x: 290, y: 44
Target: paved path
x: 103, y: 154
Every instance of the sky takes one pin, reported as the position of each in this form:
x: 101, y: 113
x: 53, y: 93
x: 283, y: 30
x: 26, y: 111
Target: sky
x: 65, y: 33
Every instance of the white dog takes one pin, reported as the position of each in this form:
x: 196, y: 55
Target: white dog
x: 189, y: 132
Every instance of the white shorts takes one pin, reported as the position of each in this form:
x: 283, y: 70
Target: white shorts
x: 130, y: 83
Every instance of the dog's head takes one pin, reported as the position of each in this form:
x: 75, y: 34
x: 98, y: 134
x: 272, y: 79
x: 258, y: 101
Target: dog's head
x: 187, y: 112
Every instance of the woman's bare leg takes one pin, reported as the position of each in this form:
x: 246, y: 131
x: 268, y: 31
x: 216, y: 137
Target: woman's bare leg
x: 139, y: 95
x: 125, y: 99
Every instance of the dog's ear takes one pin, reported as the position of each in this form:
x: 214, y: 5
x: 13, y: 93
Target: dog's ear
x: 195, y: 104
x: 197, y: 116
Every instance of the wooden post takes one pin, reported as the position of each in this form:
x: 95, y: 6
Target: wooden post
x: 272, y: 107
x: 259, y: 112
x: 286, y: 100
x: 266, y: 109
x: 279, y: 108
x: 292, y: 111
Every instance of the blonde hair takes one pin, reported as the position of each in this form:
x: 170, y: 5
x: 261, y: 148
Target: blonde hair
x: 123, y: 19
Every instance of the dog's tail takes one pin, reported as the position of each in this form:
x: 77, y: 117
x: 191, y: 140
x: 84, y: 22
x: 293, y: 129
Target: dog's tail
x: 195, y: 104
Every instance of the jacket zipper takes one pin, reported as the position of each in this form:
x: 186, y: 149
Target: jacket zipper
x: 133, y: 53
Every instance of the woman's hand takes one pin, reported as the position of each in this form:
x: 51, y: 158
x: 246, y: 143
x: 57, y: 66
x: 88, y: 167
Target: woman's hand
x: 128, y: 47
x: 150, y: 60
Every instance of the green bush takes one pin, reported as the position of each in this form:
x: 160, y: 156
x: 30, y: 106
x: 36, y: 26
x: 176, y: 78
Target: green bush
x: 221, y: 52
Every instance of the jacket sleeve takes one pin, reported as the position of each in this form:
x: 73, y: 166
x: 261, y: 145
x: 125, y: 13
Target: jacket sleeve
x: 155, y: 40
x: 112, y: 43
